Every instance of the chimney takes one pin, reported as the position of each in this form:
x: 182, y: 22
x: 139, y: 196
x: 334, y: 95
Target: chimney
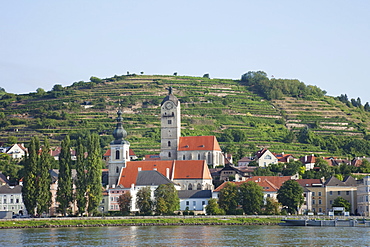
x: 282, y: 153
x: 168, y: 173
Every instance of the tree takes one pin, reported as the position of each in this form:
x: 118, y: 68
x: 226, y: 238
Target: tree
x: 206, y: 76
x: 229, y: 198
x: 251, y: 197
x: 95, y: 79
x: 166, y: 199
x: 65, y: 185
x: 40, y: 91
x: 29, y: 189
x: 44, y: 180
x: 57, y: 87
x: 341, y: 202
x: 94, y: 188
x: 271, y: 207
x: 290, y: 195
x: 124, y: 202
x: 81, y: 182
x: 144, y: 201
x: 213, y: 208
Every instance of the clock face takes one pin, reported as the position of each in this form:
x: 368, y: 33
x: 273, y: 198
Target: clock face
x: 168, y: 105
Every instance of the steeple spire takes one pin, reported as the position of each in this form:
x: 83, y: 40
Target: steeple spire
x: 119, y: 133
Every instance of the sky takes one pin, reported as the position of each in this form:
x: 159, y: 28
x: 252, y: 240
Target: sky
x: 322, y: 43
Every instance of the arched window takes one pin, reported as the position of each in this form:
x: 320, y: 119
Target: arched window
x: 199, y: 187
x: 117, y: 154
x: 117, y: 169
x: 169, y: 154
x: 209, y: 158
x: 183, y: 157
x: 169, y: 143
x: 198, y: 156
x: 190, y: 187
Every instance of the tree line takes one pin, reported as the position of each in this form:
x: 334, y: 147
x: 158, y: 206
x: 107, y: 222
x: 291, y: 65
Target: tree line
x: 85, y: 189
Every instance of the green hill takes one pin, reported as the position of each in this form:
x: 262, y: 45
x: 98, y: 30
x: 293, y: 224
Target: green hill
x: 241, y: 114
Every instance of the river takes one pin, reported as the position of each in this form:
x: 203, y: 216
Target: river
x: 188, y: 236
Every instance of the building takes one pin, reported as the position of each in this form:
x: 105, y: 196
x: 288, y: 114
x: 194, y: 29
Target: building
x: 264, y: 158
x: 16, y: 151
x: 11, y: 199
x: 195, y: 200
x: 363, y: 197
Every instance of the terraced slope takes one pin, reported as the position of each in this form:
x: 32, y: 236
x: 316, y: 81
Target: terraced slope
x: 209, y: 107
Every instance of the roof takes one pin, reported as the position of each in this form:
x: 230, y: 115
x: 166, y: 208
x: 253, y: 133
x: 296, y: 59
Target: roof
x: 284, y: 158
x: 191, y: 143
x: 260, y: 152
x: 309, y: 182
x: 175, y: 169
x: 3, y: 179
x: 348, y: 181
x: 147, y: 178
x: 184, y: 194
x: 170, y: 97
x: 268, y: 183
x: 54, y: 173
x: 152, y: 157
x: 6, y: 189
x: 308, y: 159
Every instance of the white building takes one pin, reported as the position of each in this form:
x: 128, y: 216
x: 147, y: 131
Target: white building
x: 363, y: 197
x: 11, y: 199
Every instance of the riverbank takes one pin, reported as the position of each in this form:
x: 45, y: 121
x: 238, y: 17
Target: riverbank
x: 137, y: 221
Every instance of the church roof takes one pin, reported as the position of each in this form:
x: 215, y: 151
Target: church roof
x: 192, y: 143
x: 175, y: 169
x: 147, y: 178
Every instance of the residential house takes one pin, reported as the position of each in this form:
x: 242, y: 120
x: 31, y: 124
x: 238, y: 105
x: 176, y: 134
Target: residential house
x: 313, y: 190
x: 264, y: 158
x: 195, y: 200
x: 11, y: 199
x: 308, y: 161
x: 17, y: 151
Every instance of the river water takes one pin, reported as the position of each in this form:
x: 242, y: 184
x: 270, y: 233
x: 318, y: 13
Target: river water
x: 188, y: 236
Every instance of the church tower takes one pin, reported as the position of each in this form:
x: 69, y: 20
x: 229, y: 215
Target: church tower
x: 170, y: 126
x: 119, y: 152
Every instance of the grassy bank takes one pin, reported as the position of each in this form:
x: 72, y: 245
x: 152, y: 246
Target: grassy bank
x: 132, y: 221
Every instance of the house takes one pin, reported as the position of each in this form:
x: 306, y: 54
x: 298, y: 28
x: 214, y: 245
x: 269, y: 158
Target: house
x: 195, y: 200
x: 232, y: 173
x: 284, y: 158
x: 308, y: 161
x: 11, y: 199
x: 264, y: 158
x: 53, y: 210
x: 17, y: 151
x: 313, y: 190
x: 243, y: 162
x: 335, y: 188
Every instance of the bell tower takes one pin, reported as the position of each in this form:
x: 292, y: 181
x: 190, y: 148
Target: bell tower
x: 170, y: 126
x: 119, y: 152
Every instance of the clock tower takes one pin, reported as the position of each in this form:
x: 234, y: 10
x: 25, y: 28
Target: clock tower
x: 170, y: 126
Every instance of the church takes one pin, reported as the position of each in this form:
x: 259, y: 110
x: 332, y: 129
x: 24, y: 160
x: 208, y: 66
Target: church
x: 183, y: 160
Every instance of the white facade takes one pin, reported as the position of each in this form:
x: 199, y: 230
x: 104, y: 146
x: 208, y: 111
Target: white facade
x: 117, y: 160
x: 196, y: 204
x: 11, y: 199
x: 212, y: 157
x: 17, y: 151
x: 266, y: 159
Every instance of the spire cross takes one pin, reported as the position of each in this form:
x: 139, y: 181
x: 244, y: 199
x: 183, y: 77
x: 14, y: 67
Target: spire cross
x: 170, y: 89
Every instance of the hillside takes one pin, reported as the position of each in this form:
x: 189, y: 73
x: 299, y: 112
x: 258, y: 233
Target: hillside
x: 241, y: 119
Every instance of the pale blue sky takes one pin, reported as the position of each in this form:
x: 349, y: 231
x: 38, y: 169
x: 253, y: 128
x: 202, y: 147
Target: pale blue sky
x: 323, y: 43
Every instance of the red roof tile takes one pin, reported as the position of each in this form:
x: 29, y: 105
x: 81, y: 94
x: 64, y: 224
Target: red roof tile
x: 269, y: 183
x: 190, y: 143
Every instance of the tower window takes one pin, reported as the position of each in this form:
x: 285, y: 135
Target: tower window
x: 169, y: 143
x: 117, y: 154
x: 198, y: 156
x: 169, y: 121
x: 190, y: 187
x: 117, y: 169
x: 169, y: 154
x: 183, y: 157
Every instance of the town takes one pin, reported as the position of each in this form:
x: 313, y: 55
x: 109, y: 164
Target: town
x: 190, y: 175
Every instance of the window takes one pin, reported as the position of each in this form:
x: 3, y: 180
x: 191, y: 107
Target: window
x: 199, y: 187
x: 169, y: 121
x: 5, y: 201
x: 169, y: 154
x: 319, y: 193
x: 338, y: 193
x: 320, y: 210
x: 187, y: 203
x: 268, y: 157
x: 319, y: 201
x: 117, y: 154
x: 198, y: 156
x: 313, y: 193
x: 331, y: 193
x: 11, y: 200
x: 169, y: 143
x: 313, y: 202
x: 183, y: 157
x: 117, y: 169
x: 331, y: 202
x: 347, y: 193
x: 203, y: 202
x: 194, y: 203
x: 190, y: 187
x: 16, y: 200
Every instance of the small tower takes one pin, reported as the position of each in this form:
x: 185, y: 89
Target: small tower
x: 119, y: 154
x: 170, y: 126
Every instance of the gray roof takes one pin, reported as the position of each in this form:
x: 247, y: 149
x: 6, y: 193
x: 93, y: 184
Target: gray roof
x: 348, y: 181
x: 184, y: 194
x: 6, y: 189
x: 172, y: 98
x: 152, y: 177
x: 54, y: 173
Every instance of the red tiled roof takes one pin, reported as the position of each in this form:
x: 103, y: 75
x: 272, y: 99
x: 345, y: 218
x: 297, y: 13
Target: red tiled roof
x: 179, y: 169
x: 269, y: 183
x: 190, y: 143
x: 152, y: 157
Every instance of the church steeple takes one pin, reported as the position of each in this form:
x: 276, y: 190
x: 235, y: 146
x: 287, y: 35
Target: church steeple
x: 119, y: 133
